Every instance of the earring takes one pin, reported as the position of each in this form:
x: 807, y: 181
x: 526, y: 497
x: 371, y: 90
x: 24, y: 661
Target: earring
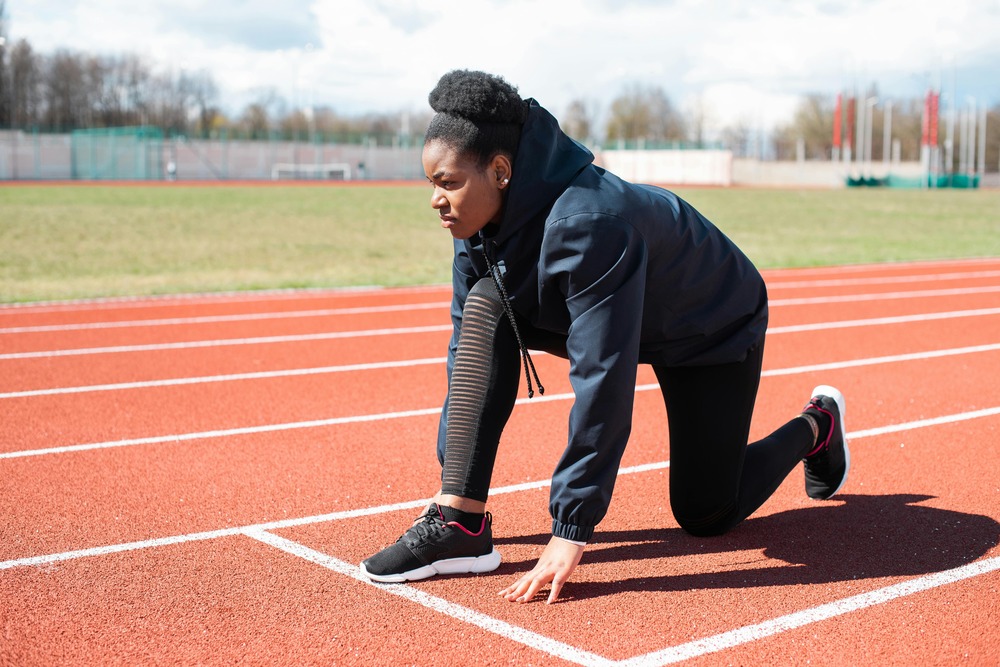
x: 505, y: 181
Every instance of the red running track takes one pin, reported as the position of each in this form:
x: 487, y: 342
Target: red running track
x: 193, y: 480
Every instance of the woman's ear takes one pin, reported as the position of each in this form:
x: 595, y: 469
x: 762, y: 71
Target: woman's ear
x: 502, y: 169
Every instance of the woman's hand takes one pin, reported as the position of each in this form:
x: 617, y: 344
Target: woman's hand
x: 555, y: 566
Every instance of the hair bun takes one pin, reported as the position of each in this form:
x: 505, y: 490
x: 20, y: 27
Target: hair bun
x: 478, y: 97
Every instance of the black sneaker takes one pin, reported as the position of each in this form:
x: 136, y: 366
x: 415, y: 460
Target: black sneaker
x: 434, y: 546
x: 827, y: 464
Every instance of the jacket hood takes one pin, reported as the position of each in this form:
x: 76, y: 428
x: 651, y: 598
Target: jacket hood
x: 547, y: 161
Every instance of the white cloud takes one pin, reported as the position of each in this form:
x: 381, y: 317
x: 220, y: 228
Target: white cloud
x: 743, y: 62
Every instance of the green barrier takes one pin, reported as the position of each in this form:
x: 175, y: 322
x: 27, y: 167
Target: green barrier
x: 957, y: 181
x: 117, y: 153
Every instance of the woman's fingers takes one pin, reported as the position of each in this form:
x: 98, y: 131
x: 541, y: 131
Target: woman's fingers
x: 555, y: 566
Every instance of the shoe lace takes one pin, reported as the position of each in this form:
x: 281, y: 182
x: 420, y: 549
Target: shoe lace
x: 427, y: 524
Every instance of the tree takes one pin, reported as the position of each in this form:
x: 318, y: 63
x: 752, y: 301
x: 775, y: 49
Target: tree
x: 6, y: 104
x: 578, y: 121
x: 204, y: 94
x: 647, y: 114
x: 739, y: 139
x: 25, y: 81
x: 812, y: 124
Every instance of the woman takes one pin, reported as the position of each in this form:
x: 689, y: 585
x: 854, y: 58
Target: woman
x: 555, y: 253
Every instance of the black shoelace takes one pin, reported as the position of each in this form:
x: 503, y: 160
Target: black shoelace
x: 509, y: 310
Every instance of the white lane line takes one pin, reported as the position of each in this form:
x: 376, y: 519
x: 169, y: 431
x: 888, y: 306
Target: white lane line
x: 816, y: 326
x: 666, y: 656
x: 514, y: 633
x: 841, y: 269
x: 923, y: 423
x: 880, y: 321
x: 242, y: 317
x: 443, y: 305
x: 261, y: 340
x: 882, y: 280
x: 546, y: 398
x: 222, y: 433
x: 33, y: 561
x: 251, y: 296
x: 213, y: 298
x: 261, y: 375
x: 873, y: 361
x: 883, y: 296
x: 234, y: 377
x: 805, y: 617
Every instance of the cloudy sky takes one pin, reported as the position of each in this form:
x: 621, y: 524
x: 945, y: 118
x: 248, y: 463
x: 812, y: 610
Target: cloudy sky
x: 738, y: 60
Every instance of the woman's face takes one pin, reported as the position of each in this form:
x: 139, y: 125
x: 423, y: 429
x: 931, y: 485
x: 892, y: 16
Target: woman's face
x: 466, y: 196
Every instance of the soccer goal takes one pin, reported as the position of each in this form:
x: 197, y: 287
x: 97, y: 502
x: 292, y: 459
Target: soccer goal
x: 335, y: 171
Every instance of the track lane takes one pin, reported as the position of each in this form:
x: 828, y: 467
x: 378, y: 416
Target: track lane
x: 45, y: 421
x: 147, y: 487
x: 885, y: 471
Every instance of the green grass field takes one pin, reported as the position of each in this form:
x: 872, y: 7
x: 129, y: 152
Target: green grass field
x: 72, y: 241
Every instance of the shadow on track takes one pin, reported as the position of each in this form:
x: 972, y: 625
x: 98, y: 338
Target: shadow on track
x: 859, y: 537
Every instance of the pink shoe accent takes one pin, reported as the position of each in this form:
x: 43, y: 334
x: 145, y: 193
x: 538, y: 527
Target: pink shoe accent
x: 456, y: 524
x: 466, y: 530
x: 833, y: 424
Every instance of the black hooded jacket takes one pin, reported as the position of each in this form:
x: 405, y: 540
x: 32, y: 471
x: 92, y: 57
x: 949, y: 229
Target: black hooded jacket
x: 625, y: 274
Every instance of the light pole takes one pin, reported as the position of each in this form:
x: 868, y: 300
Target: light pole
x: 886, y: 135
x: 869, y: 107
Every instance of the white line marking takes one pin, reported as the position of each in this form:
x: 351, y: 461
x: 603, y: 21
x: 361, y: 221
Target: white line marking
x: 546, y: 398
x: 213, y: 298
x: 873, y: 361
x: 922, y: 423
x: 285, y: 523
x: 816, y: 326
x: 444, y: 305
x: 262, y: 340
x: 260, y: 375
x: 242, y: 317
x: 883, y: 296
x: 263, y: 375
x: 882, y: 280
x: 879, y: 321
x: 223, y: 433
x: 334, y: 516
x: 250, y: 296
x: 841, y: 269
x: 514, y: 633
x: 799, y: 619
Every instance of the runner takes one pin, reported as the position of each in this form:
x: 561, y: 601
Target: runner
x: 557, y: 254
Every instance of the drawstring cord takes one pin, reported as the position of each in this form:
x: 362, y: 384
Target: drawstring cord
x: 525, y: 357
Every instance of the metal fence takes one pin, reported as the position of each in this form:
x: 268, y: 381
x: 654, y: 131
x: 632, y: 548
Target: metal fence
x: 39, y: 156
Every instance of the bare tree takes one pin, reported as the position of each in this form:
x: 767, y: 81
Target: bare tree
x: 25, y: 82
x: 6, y: 101
x: 578, y: 121
x: 812, y: 124
x: 257, y: 117
x: 739, y: 139
x: 204, y: 94
x: 646, y: 114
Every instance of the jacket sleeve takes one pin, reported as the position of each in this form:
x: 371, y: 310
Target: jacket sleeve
x: 463, y: 277
x: 599, y: 264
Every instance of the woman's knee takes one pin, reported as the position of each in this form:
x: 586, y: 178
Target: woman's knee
x: 704, y: 523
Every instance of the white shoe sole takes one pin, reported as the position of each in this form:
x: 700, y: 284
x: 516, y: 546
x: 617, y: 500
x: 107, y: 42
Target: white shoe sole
x: 467, y: 565
x: 834, y: 393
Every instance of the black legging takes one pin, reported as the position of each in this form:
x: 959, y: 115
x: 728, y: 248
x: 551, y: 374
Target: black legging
x: 716, y: 479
